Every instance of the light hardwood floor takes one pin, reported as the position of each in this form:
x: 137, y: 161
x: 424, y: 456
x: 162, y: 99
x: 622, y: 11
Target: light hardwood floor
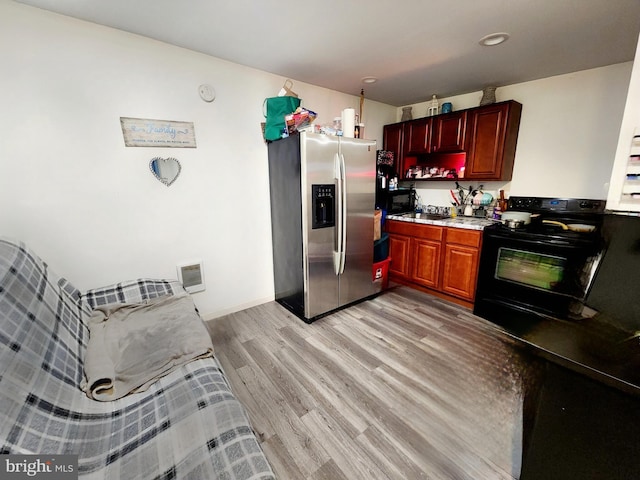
x: 402, y: 386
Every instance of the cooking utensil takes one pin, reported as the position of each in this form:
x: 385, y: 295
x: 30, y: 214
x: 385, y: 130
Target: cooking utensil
x: 514, y: 223
x: 455, y: 198
x: 515, y: 215
x: 559, y: 224
x: 574, y: 227
x: 581, y: 227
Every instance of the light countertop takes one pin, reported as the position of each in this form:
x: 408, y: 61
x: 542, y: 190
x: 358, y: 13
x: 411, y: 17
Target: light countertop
x: 469, y: 223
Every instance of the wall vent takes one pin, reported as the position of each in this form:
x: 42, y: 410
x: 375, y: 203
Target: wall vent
x: 191, y: 275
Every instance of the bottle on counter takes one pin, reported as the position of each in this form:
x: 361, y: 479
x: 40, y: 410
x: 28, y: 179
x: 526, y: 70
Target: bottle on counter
x: 489, y: 212
x: 497, y: 212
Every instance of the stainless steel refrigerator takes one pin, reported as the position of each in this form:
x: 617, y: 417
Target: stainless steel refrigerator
x: 322, y: 191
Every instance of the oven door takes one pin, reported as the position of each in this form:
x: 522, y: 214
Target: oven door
x: 539, y: 277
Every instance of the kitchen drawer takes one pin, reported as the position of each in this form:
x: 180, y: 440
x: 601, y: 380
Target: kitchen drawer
x: 461, y: 236
x: 427, y: 232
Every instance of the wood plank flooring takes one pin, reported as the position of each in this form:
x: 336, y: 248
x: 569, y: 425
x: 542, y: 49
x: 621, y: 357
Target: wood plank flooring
x: 404, y: 386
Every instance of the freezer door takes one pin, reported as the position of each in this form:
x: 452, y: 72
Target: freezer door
x: 318, y: 157
x: 360, y: 186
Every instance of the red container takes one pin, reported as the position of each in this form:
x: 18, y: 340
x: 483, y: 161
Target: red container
x: 381, y: 272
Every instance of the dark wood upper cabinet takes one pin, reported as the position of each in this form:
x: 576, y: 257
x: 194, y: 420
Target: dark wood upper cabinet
x: 487, y: 134
x: 449, y: 132
x: 392, y: 141
x: 491, y: 147
x: 439, y: 134
x: 418, y: 133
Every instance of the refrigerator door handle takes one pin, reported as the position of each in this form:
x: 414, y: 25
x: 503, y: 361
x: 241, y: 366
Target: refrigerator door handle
x: 337, y: 247
x: 343, y: 215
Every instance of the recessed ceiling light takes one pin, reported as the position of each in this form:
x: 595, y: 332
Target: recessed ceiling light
x: 369, y: 80
x: 494, y: 39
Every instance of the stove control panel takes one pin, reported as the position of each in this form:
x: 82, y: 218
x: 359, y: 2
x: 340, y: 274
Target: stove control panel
x: 555, y: 204
x: 560, y: 205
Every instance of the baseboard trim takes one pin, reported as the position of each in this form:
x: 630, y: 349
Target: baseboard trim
x: 236, y: 308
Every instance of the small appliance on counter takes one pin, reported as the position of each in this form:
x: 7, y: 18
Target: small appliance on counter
x: 401, y: 200
x: 391, y: 198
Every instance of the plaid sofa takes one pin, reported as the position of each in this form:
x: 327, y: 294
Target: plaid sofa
x: 187, y: 425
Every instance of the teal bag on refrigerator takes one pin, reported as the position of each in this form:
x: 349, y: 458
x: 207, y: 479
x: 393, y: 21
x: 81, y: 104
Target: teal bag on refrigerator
x: 276, y: 109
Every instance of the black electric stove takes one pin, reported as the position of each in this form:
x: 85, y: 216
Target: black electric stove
x: 540, y: 270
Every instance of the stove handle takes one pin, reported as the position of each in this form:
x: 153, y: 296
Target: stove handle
x: 530, y: 242
x: 558, y: 242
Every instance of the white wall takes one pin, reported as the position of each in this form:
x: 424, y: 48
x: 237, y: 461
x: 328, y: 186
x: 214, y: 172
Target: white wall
x: 568, y: 134
x: 90, y: 206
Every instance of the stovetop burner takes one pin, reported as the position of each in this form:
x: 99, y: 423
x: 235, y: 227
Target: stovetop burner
x: 538, y: 231
x: 540, y: 227
x: 568, y: 212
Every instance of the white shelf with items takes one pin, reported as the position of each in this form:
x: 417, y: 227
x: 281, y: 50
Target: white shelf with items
x: 631, y: 183
x: 624, y: 184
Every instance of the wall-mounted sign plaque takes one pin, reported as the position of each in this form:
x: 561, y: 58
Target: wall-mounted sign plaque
x: 144, y: 132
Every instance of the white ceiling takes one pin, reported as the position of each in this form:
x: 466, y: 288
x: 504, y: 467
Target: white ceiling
x: 416, y: 48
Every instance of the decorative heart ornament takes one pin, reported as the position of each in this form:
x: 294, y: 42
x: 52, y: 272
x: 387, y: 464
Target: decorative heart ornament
x: 165, y: 169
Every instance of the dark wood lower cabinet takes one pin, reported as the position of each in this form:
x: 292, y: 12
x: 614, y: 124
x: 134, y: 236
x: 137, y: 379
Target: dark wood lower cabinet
x: 399, y: 246
x: 460, y: 271
x: 425, y: 268
x: 442, y: 260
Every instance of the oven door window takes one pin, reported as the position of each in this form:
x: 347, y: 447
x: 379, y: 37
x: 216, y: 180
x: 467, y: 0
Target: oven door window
x: 536, y: 270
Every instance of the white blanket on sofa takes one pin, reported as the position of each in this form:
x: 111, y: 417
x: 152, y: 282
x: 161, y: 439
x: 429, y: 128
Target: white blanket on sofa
x: 132, y: 345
